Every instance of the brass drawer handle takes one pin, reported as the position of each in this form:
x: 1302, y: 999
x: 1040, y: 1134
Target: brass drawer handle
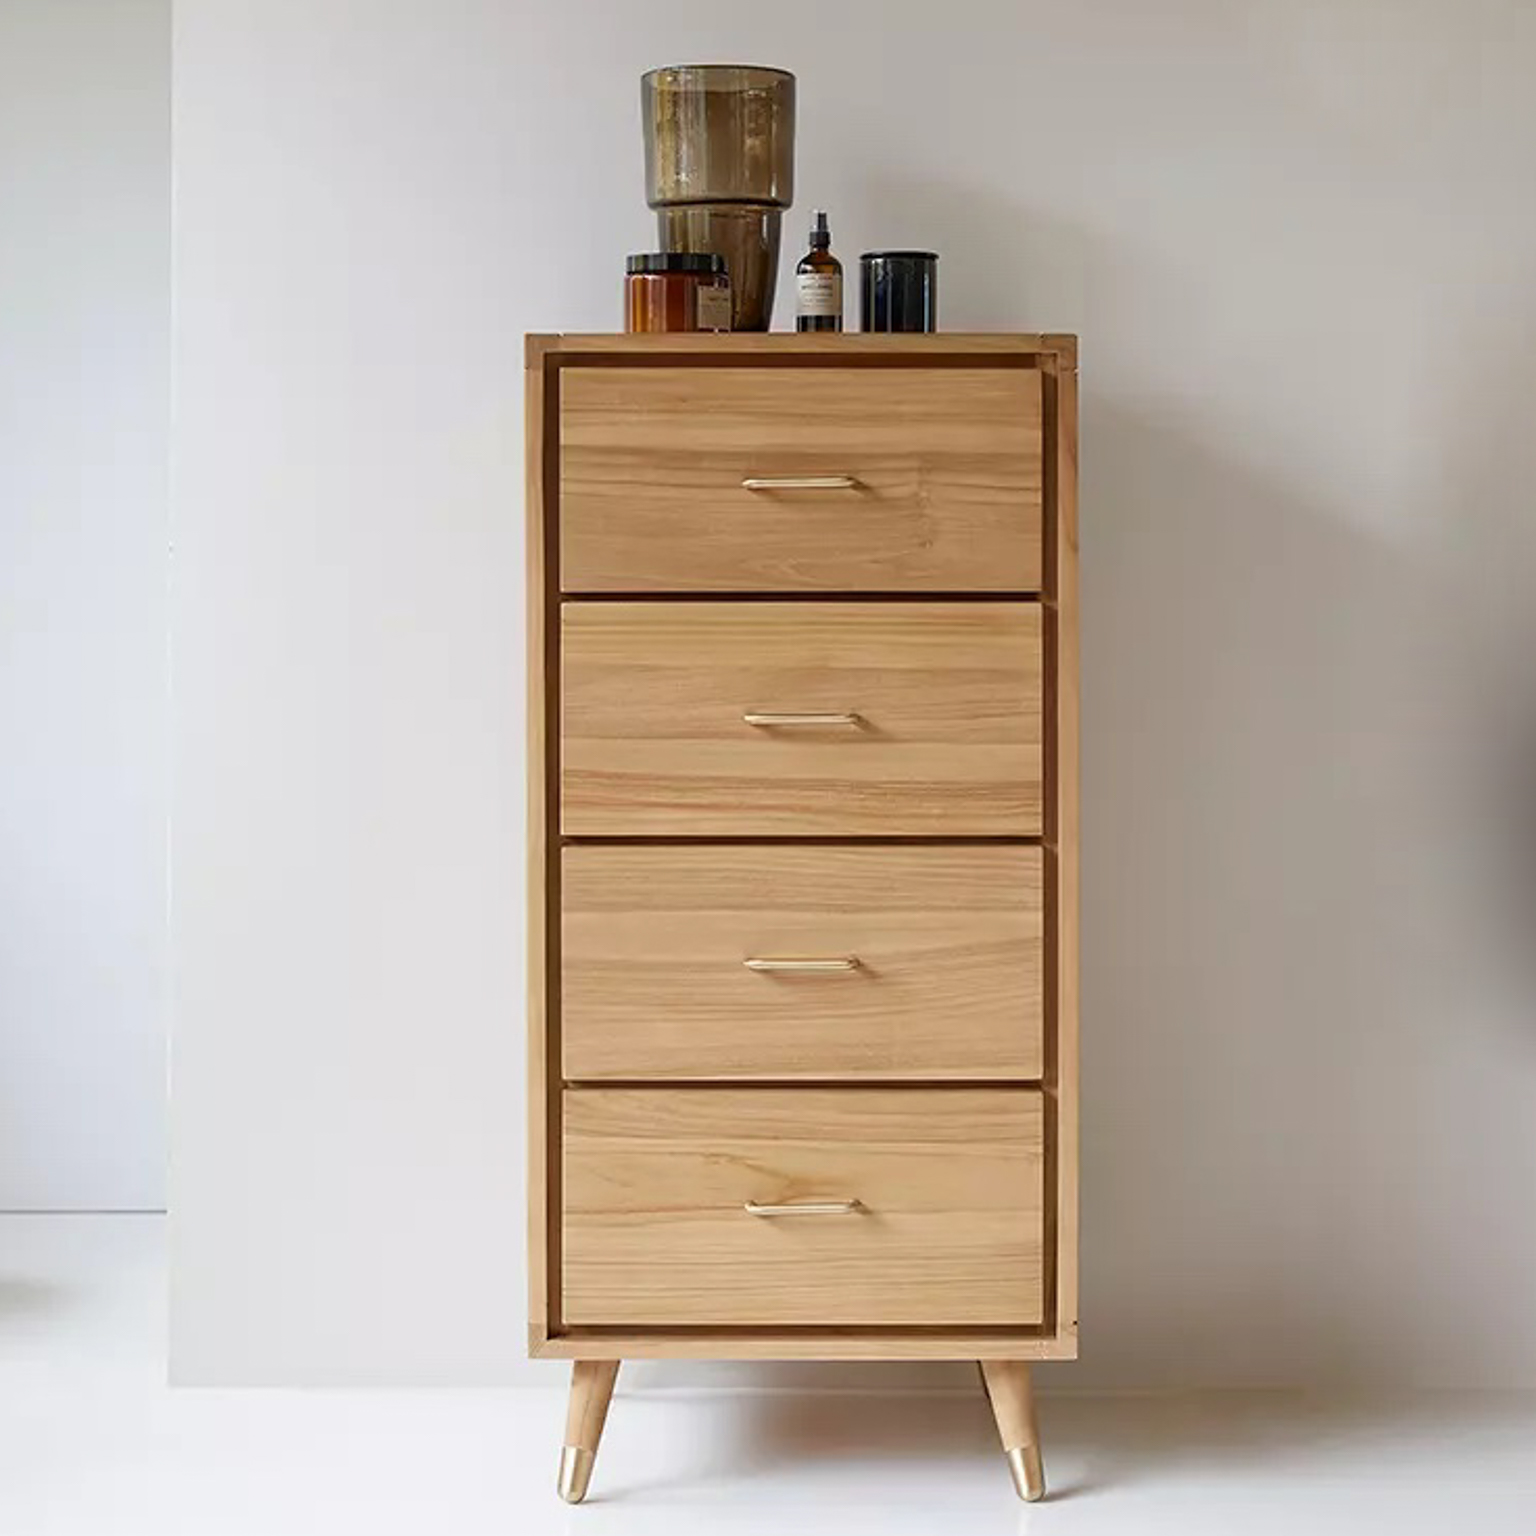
x: 768, y: 718
x: 800, y: 483
x: 804, y: 1208
x: 806, y: 966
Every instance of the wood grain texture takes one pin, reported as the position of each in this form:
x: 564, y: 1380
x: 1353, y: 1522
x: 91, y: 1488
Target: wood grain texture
x: 948, y: 465
x: 592, y: 1383
x: 949, y: 942
x: 1011, y: 1394
x: 1062, y: 854
x: 654, y: 743
x: 949, y: 1230
x: 540, y: 1126
x: 804, y: 1344
x: 1052, y: 1333
x: 1024, y: 347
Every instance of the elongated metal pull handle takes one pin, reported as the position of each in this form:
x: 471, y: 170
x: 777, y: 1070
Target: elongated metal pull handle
x: 800, y: 483
x: 806, y: 965
x: 804, y: 1208
x: 769, y: 718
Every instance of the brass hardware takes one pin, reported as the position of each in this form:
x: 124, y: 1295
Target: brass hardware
x: 804, y: 1208
x: 769, y: 718
x: 800, y: 483
x: 575, y: 1473
x: 807, y: 965
x: 1028, y: 1472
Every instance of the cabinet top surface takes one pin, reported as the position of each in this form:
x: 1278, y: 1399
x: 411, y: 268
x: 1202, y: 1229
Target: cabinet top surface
x: 1059, y: 344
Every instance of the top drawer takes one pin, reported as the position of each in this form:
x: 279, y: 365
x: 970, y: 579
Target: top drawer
x: 936, y: 471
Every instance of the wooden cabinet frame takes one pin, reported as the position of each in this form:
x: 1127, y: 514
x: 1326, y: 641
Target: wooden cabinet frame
x: 1055, y: 357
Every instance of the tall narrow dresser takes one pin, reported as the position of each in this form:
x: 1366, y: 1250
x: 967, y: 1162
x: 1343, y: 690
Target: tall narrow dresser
x: 803, y: 843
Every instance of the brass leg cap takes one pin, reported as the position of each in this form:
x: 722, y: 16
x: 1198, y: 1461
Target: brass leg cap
x: 1028, y: 1473
x: 575, y: 1473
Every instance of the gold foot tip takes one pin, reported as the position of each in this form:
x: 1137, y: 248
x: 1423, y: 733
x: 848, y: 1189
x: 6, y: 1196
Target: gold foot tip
x: 1028, y: 1473
x: 575, y: 1473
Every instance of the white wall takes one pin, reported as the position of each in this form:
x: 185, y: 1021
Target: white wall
x: 84, y: 421
x: 1300, y: 245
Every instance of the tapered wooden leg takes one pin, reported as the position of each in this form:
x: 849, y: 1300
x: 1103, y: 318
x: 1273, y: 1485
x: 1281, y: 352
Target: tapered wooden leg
x: 1013, y: 1406
x: 591, y: 1388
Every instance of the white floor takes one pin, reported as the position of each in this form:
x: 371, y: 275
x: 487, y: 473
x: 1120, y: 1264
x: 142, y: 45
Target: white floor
x: 92, y: 1443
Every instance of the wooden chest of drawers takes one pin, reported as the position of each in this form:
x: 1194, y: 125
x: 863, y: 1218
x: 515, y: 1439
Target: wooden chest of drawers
x: 803, y: 846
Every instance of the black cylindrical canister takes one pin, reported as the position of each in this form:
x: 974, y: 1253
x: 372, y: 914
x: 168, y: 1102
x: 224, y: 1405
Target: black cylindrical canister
x: 899, y: 291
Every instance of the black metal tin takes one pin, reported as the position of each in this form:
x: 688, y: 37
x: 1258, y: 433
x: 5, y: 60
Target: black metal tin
x: 899, y: 291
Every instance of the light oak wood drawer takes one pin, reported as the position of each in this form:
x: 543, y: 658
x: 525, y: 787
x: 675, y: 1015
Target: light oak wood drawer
x: 932, y: 1206
x: 943, y: 465
x: 793, y: 719
x: 713, y: 963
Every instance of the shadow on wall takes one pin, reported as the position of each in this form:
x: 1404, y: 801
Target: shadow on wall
x: 1307, y: 1137
x: 1235, y: 942
x: 1486, y: 496
x: 1307, y: 1133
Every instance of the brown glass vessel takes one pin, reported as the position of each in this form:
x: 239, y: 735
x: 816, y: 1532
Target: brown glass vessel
x: 819, y: 282
x: 720, y: 168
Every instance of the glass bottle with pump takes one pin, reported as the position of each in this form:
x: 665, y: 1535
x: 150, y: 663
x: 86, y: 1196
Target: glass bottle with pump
x: 819, y: 282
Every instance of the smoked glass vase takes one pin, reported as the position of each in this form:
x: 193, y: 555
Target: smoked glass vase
x: 720, y: 170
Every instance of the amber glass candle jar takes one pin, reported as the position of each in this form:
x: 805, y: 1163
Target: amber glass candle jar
x: 676, y: 291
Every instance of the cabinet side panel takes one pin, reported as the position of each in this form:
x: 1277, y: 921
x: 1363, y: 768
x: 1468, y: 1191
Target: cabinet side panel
x: 1062, y: 833
x: 536, y: 511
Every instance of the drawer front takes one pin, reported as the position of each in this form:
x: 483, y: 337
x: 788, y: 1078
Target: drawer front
x: 931, y: 1206
x: 802, y: 962
x: 930, y: 719
x: 943, y: 469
